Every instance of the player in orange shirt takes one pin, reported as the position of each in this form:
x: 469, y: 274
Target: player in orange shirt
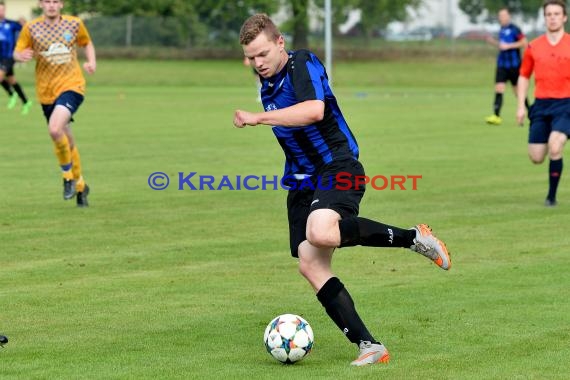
x: 52, y: 39
x: 548, y: 56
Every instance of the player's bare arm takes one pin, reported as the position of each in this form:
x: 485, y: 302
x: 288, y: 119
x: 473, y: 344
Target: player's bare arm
x: 91, y: 65
x: 492, y: 41
x: 522, y: 89
x: 298, y: 115
x: 25, y: 55
x: 522, y: 43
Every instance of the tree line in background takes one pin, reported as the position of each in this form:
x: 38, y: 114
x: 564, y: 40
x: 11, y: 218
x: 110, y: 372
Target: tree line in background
x: 199, y: 23
x: 475, y: 8
x: 204, y: 20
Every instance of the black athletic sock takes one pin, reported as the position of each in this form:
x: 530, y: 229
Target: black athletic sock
x: 498, y: 103
x: 554, y: 171
x: 362, y: 231
x: 20, y: 92
x: 340, y: 308
x: 7, y: 87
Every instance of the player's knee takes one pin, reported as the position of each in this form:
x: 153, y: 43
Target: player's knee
x: 536, y: 157
x: 55, y: 132
x: 555, y: 151
x: 319, y: 236
x: 322, y: 229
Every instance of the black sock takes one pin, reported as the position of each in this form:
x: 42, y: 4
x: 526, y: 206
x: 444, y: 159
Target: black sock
x: 362, y: 231
x: 20, y: 92
x: 554, y: 171
x: 7, y: 87
x: 340, y: 308
x: 498, y: 103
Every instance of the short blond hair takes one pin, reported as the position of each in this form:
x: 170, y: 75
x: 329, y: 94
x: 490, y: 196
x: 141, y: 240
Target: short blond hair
x: 255, y: 25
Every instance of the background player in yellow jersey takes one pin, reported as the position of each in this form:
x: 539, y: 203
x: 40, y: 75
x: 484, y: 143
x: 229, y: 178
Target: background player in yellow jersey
x: 52, y: 40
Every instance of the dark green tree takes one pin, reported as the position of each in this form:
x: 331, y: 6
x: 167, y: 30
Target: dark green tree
x: 528, y: 8
x: 472, y: 8
x: 376, y: 14
x: 206, y: 19
x: 300, y: 10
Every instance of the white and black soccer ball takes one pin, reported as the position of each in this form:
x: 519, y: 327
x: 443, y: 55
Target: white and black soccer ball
x: 288, y: 338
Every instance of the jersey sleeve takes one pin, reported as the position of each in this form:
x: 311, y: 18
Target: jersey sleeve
x: 307, y: 77
x: 83, y: 37
x: 527, y: 64
x: 518, y: 33
x: 24, y: 40
x: 16, y: 26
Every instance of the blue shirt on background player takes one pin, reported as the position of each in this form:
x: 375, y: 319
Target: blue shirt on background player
x: 9, y: 31
x: 509, y: 58
x: 511, y: 40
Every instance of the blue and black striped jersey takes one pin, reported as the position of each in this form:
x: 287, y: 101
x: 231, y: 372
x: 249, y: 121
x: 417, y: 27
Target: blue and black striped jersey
x: 9, y: 31
x: 509, y: 59
x: 307, y: 148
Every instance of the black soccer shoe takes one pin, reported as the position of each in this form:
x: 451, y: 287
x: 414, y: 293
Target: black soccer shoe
x: 68, y: 189
x: 3, y: 340
x: 82, y: 197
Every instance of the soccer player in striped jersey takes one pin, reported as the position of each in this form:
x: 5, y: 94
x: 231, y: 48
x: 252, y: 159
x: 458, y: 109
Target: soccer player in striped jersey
x: 52, y: 40
x: 9, y: 30
x: 548, y: 56
x: 317, y: 142
x: 511, y: 40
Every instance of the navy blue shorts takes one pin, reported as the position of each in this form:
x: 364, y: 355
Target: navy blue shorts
x: 547, y: 115
x: 69, y: 99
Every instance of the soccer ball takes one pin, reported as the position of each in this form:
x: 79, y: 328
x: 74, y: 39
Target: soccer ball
x: 288, y: 338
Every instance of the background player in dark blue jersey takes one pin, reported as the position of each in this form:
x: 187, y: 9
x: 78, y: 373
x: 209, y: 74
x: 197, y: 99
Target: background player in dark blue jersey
x: 9, y: 31
x: 511, y: 40
x: 317, y: 142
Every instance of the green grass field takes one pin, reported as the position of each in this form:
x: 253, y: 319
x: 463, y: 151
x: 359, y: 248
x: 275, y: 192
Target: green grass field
x: 181, y: 284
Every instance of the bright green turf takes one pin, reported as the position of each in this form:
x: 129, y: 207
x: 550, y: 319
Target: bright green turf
x: 180, y: 284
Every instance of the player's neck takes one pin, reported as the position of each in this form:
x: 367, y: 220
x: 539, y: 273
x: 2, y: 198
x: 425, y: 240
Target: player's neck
x: 555, y: 36
x: 52, y: 20
x: 284, y: 59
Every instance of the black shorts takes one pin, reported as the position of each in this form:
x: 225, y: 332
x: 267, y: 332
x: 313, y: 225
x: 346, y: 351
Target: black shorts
x: 324, y: 194
x: 7, y: 66
x: 69, y: 99
x: 504, y: 75
x: 547, y: 115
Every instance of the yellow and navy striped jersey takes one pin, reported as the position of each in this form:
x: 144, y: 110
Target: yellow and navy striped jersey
x: 54, y: 46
